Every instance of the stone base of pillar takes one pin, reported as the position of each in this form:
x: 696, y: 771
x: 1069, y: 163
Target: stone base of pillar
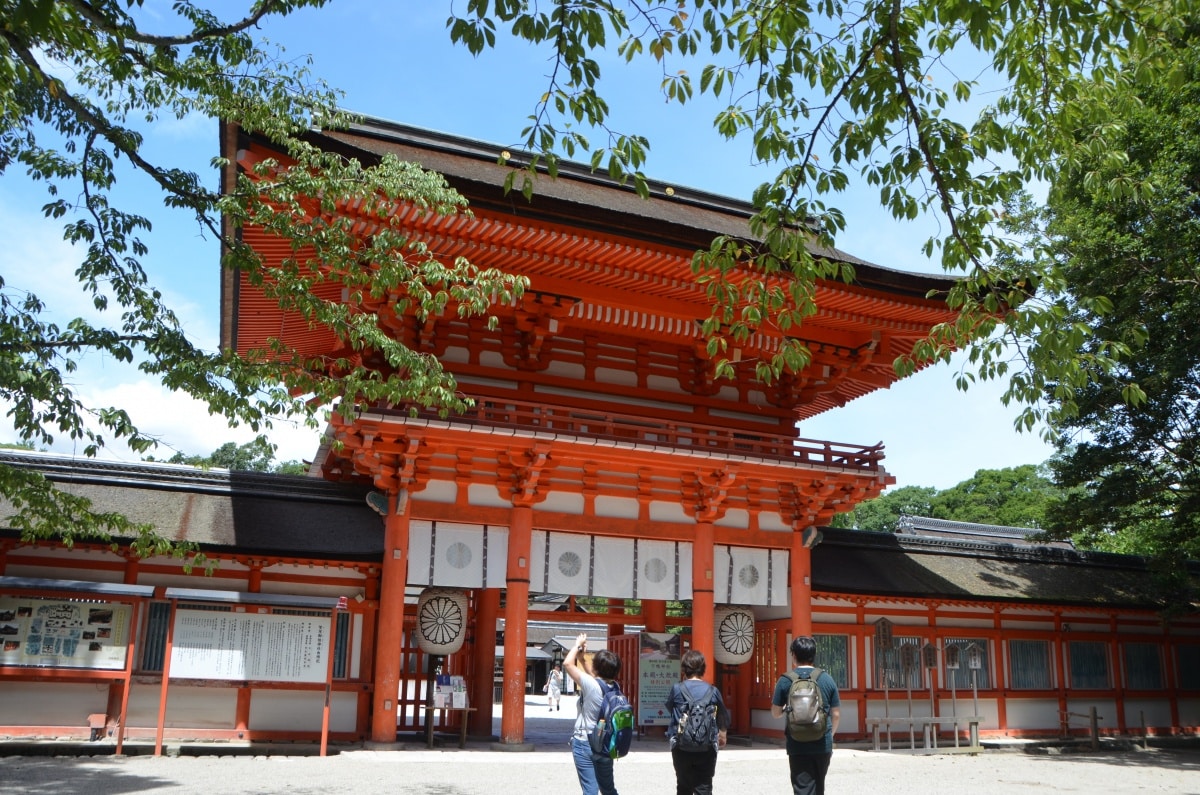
x: 373, y: 745
x: 519, y: 747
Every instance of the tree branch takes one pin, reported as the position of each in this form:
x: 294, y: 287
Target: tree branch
x: 108, y: 131
x: 103, y: 23
x: 939, y: 179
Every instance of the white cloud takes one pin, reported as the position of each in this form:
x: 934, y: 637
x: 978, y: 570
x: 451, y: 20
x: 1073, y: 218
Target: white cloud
x: 36, y: 259
x: 181, y: 424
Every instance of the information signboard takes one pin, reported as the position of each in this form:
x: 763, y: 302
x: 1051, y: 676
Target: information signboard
x: 63, y: 633
x: 249, y: 646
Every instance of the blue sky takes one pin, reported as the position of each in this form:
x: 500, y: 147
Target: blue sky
x: 395, y: 61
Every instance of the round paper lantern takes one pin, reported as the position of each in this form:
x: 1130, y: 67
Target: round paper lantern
x: 441, y: 620
x: 734, y: 634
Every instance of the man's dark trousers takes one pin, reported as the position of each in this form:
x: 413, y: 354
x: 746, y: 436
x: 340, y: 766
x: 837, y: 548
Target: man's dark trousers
x: 808, y: 773
x: 694, y: 771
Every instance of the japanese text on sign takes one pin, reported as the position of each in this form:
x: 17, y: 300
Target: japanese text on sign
x: 244, y: 647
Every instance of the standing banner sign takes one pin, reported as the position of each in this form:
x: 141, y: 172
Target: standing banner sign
x: 658, y: 670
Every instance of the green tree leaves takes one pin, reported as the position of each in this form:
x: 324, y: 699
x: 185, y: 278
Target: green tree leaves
x: 257, y: 455
x: 949, y: 108
x: 79, y: 82
x: 1130, y: 256
x: 882, y: 514
x: 1013, y: 497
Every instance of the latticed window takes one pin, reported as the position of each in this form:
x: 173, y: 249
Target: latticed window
x: 1029, y: 666
x: 154, y: 647
x: 962, y: 676
x: 1089, y: 665
x: 1187, y: 661
x: 1143, y: 666
x: 892, y: 662
x: 833, y: 656
x: 341, y: 648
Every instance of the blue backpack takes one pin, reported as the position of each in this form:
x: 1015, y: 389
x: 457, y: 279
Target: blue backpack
x: 613, y: 732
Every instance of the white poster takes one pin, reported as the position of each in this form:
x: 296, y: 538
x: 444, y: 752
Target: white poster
x: 249, y: 647
x: 63, y: 634
x: 658, y: 670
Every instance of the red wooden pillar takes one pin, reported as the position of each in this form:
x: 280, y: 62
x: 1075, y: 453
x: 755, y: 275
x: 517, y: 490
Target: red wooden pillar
x: 516, y: 616
x: 703, y: 634
x: 1118, y: 672
x: 863, y: 676
x: 654, y: 615
x: 241, y: 717
x: 487, y: 610
x: 616, y: 627
x: 254, y: 576
x: 118, y: 695
x: 801, y: 587
x: 390, y: 628
x: 1060, y: 657
x: 996, y: 654
x: 743, y: 683
x: 1169, y: 655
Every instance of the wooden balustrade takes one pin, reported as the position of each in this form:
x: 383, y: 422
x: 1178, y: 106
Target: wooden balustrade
x: 680, y: 434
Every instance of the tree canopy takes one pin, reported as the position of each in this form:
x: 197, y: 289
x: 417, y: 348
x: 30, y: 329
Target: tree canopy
x: 1013, y: 497
x: 1133, y: 476
x: 257, y: 455
x: 948, y: 108
x: 80, y: 82
x: 882, y: 514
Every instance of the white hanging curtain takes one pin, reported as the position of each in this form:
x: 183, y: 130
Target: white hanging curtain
x: 455, y: 555
x: 749, y: 575
x: 458, y: 555
x: 617, y: 568
x: 561, y: 563
x: 659, y: 571
x: 613, y: 567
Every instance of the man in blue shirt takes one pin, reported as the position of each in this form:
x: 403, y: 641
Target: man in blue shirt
x: 808, y: 762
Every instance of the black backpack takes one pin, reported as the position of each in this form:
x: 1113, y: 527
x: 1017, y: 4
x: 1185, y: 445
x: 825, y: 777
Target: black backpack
x: 697, y: 730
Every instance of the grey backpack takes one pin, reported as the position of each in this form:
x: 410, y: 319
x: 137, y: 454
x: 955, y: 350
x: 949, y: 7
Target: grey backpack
x: 807, y: 714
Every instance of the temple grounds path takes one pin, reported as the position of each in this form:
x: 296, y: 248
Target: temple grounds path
x: 410, y: 769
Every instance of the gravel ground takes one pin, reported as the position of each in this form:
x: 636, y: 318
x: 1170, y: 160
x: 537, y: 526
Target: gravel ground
x: 470, y: 772
x: 410, y: 768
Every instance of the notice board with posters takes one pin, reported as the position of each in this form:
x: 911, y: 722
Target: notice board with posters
x: 64, y: 633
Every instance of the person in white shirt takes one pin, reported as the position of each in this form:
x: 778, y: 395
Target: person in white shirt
x: 595, y: 771
x: 554, y: 687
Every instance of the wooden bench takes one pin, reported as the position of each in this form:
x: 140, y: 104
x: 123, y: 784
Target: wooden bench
x: 929, y: 728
